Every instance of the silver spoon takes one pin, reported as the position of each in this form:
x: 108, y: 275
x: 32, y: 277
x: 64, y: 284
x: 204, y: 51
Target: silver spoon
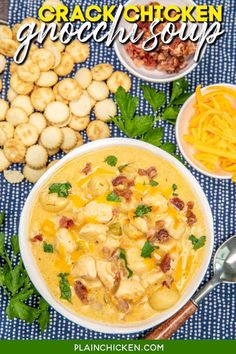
x: 224, y: 272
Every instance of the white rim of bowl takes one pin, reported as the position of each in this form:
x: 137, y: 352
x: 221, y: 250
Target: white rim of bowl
x: 178, y: 135
x: 37, y: 278
x: 145, y: 78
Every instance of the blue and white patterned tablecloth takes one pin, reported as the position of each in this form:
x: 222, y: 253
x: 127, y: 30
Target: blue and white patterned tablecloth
x: 215, y: 318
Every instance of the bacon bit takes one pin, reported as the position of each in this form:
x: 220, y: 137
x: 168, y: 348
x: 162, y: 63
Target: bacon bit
x: 116, y: 281
x: 142, y: 172
x: 190, y: 205
x: 151, y: 172
x: 115, y: 212
x: 161, y: 236
x: 120, y: 180
x: 168, y: 282
x: 166, y: 57
x: 123, y: 306
x: 87, y: 169
x: 130, y: 183
x: 123, y: 184
x: 66, y: 223
x: 178, y: 203
x: 151, y: 235
x: 125, y: 193
x: 81, y: 291
x: 165, y: 263
x: 159, y: 224
x: 191, y: 217
x: 38, y: 237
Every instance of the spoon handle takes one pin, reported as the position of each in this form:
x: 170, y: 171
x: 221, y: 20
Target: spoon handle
x: 170, y: 326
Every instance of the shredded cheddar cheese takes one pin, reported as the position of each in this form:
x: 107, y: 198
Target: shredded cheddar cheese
x: 212, y: 128
x: 48, y: 228
x: 97, y: 172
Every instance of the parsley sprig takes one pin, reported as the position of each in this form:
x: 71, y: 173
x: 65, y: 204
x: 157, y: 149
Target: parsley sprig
x: 124, y: 258
x: 111, y: 160
x: 142, y: 210
x: 61, y: 189
x: 16, y: 284
x: 197, y: 242
x: 113, y: 197
x: 48, y: 248
x: 64, y: 286
x: 147, y: 249
x: 144, y: 126
x: 174, y: 189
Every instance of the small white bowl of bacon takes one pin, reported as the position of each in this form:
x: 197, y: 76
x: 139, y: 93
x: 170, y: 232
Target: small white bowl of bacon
x: 165, y: 63
x: 205, y: 131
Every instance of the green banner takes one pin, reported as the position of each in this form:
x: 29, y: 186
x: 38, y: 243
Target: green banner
x: 115, y: 346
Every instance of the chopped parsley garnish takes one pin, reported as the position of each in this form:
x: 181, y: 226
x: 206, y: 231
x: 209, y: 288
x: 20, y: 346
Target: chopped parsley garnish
x: 64, y: 287
x: 62, y: 189
x: 111, y: 160
x: 147, y: 249
x: 142, y: 210
x: 122, y: 167
x: 174, y: 188
x: 197, y: 242
x: 153, y: 183
x: 124, y: 258
x: 113, y: 197
x: 48, y: 248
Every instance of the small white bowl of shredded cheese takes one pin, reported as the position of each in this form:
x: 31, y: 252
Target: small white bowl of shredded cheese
x: 204, y: 131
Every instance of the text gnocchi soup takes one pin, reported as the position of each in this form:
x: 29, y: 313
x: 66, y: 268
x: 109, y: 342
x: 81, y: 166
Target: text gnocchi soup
x: 117, y: 234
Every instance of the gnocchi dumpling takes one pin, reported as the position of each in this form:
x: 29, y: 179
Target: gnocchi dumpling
x: 163, y: 299
x: 98, y: 186
x: 156, y: 200
x: 52, y: 202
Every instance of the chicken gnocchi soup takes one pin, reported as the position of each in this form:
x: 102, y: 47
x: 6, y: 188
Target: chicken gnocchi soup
x: 117, y: 235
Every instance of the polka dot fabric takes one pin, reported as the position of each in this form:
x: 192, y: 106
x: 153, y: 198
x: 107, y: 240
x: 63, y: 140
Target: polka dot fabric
x: 215, y: 318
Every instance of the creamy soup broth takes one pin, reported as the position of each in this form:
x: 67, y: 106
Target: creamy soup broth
x: 117, y: 234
